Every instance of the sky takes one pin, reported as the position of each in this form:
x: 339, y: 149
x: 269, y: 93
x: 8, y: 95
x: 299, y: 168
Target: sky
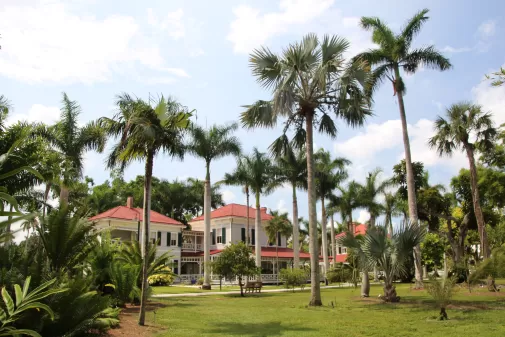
x: 197, y: 52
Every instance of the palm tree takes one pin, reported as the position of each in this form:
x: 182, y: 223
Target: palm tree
x: 377, y: 249
x: 215, y: 143
x: 279, y: 225
x: 370, y: 191
x: 348, y: 200
x: 72, y: 141
x: 4, y: 111
x: 390, y: 207
x: 309, y: 80
x: 144, y: 131
x: 394, y: 53
x: 329, y: 174
x: 292, y: 168
x: 241, y: 176
x: 466, y: 122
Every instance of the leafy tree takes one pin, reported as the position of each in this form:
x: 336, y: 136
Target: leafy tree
x: 309, y: 81
x: 453, y: 133
x: 144, y: 130
x: 279, y: 225
x: 236, y: 261
x: 433, y: 249
x: 292, y: 169
x: 212, y: 144
x: 495, y: 157
x: 394, y: 53
x: 72, y: 141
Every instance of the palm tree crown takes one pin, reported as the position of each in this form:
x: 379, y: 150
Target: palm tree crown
x: 370, y: 191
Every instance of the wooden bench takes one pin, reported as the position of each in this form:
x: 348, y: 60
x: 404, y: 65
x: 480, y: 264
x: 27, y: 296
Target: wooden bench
x: 252, y: 287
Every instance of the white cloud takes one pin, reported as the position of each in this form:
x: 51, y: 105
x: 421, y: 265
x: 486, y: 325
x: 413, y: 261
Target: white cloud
x: 363, y: 217
x: 281, y: 206
x: 37, y: 113
x: 453, y: 50
x: 228, y: 196
x: 250, y: 28
x: 46, y: 42
x: 172, y: 23
x: 491, y: 98
x: 487, y: 29
x: 196, y: 52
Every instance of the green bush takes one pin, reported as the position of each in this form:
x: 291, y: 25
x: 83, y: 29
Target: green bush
x: 293, y: 278
x: 340, y: 274
x: 200, y: 281
x: 165, y: 278
x: 124, y: 284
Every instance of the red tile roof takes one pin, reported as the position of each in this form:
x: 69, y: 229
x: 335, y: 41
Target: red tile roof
x: 265, y: 252
x: 127, y: 213
x: 359, y: 229
x: 236, y: 210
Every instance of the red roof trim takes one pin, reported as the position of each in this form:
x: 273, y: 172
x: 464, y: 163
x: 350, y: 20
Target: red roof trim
x: 265, y: 252
x: 131, y: 214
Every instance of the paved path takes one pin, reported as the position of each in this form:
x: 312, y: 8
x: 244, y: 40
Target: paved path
x: 238, y: 292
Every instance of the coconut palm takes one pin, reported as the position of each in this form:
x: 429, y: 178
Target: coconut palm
x: 309, y: 81
x: 292, y: 169
x: 394, y: 53
x: 144, y: 130
x: 72, y: 141
x: 211, y: 144
x: 276, y: 228
x: 349, y: 199
x: 388, y: 253
x: 329, y: 174
x: 241, y: 176
x: 468, y: 128
x: 371, y: 190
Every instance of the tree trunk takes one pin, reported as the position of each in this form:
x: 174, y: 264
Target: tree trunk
x: 476, y: 203
x: 443, y: 314
x: 350, y: 225
x: 206, y: 229
x: 257, y: 226
x: 296, y: 234
x: 8, y: 228
x: 324, y: 237
x: 63, y: 195
x: 315, y: 287
x: 46, y: 196
x: 365, y: 285
x: 247, y: 238
x: 277, y: 262
x: 372, y: 220
x: 333, y: 245
x: 145, y: 235
x: 241, y: 286
x: 411, y: 188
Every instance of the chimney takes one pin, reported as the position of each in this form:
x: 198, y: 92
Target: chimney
x: 263, y: 210
x: 129, y: 202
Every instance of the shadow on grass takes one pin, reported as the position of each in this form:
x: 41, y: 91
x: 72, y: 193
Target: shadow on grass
x: 256, y: 329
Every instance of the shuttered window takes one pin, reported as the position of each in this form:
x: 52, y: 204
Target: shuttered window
x: 213, y: 236
x: 253, y: 236
x: 223, y: 234
x: 168, y: 238
x: 159, y: 239
x: 242, y: 234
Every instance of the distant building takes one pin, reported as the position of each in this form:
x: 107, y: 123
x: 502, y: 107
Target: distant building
x: 359, y: 229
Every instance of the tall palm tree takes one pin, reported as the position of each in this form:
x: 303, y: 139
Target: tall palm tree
x: 372, y: 189
x: 292, y: 168
x: 395, y: 52
x: 467, y: 128
x: 390, y: 207
x: 72, y: 141
x: 211, y: 144
x: 349, y: 199
x: 279, y: 225
x: 144, y: 130
x: 309, y: 81
x: 329, y: 174
x: 241, y: 176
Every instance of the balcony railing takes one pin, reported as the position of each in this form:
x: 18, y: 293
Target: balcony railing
x: 265, y: 278
x: 192, y: 246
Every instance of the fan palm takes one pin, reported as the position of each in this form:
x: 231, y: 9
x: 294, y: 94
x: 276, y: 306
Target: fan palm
x: 395, y: 52
x: 292, y: 169
x: 310, y: 80
x: 329, y: 174
x: 215, y: 143
x: 388, y: 253
x: 464, y: 122
x: 72, y: 141
x: 144, y: 130
x: 276, y: 227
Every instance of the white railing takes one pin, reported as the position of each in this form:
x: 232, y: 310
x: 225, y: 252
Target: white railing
x: 265, y: 278
x: 192, y: 246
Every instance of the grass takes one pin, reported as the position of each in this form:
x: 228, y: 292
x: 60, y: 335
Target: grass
x: 286, y: 314
x: 175, y: 289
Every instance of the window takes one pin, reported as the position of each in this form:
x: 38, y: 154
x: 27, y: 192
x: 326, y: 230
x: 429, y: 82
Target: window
x: 175, y: 267
x: 253, y: 237
x: 242, y: 234
x: 152, y: 237
x: 169, y: 239
x: 220, y: 237
x: 173, y: 239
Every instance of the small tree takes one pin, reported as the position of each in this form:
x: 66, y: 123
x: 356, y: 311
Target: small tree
x: 237, y: 261
x: 293, y: 278
x: 441, y: 291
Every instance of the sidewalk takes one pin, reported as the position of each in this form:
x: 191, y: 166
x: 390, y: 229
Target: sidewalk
x: 238, y: 292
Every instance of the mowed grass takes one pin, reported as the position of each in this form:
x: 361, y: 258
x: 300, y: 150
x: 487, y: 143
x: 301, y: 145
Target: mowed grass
x: 176, y: 289
x: 286, y: 314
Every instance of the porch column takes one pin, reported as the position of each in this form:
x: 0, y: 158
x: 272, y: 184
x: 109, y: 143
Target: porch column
x: 200, y: 267
x: 179, y: 265
x: 194, y: 243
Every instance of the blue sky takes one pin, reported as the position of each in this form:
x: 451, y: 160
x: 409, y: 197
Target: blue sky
x: 197, y: 51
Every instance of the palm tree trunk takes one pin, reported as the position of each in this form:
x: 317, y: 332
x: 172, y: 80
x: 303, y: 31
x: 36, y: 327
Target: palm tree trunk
x: 411, y: 188
x: 257, y: 225
x: 46, y: 196
x: 277, y: 261
x: 372, y: 220
x: 63, y: 195
x: 324, y: 237
x: 350, y: 226
x: 333, y: 245
x: 247, y: 239
x: 481, y: 225
x: 375, y: 271
x: 296, y: 234
x: 145, y: 235
x: 365, y: 284
x: 206, y: 234
x: 8, y: 228
x: 315, y: 287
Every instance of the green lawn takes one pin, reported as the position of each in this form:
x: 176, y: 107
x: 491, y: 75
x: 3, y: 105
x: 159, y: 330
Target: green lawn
x: 286, y: 314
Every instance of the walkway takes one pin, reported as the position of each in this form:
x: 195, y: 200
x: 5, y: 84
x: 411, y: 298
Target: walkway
x: 238, y: 292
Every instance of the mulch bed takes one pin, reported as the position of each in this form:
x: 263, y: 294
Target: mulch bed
x: 128, y: 325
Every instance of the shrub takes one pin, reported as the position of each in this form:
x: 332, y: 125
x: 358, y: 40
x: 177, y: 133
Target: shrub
x: 441, y: 291
x: 293, y: 278
x: 200, y: 281
x: 165, y: 278
x: 340, y: 274
x: 124, y: 284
